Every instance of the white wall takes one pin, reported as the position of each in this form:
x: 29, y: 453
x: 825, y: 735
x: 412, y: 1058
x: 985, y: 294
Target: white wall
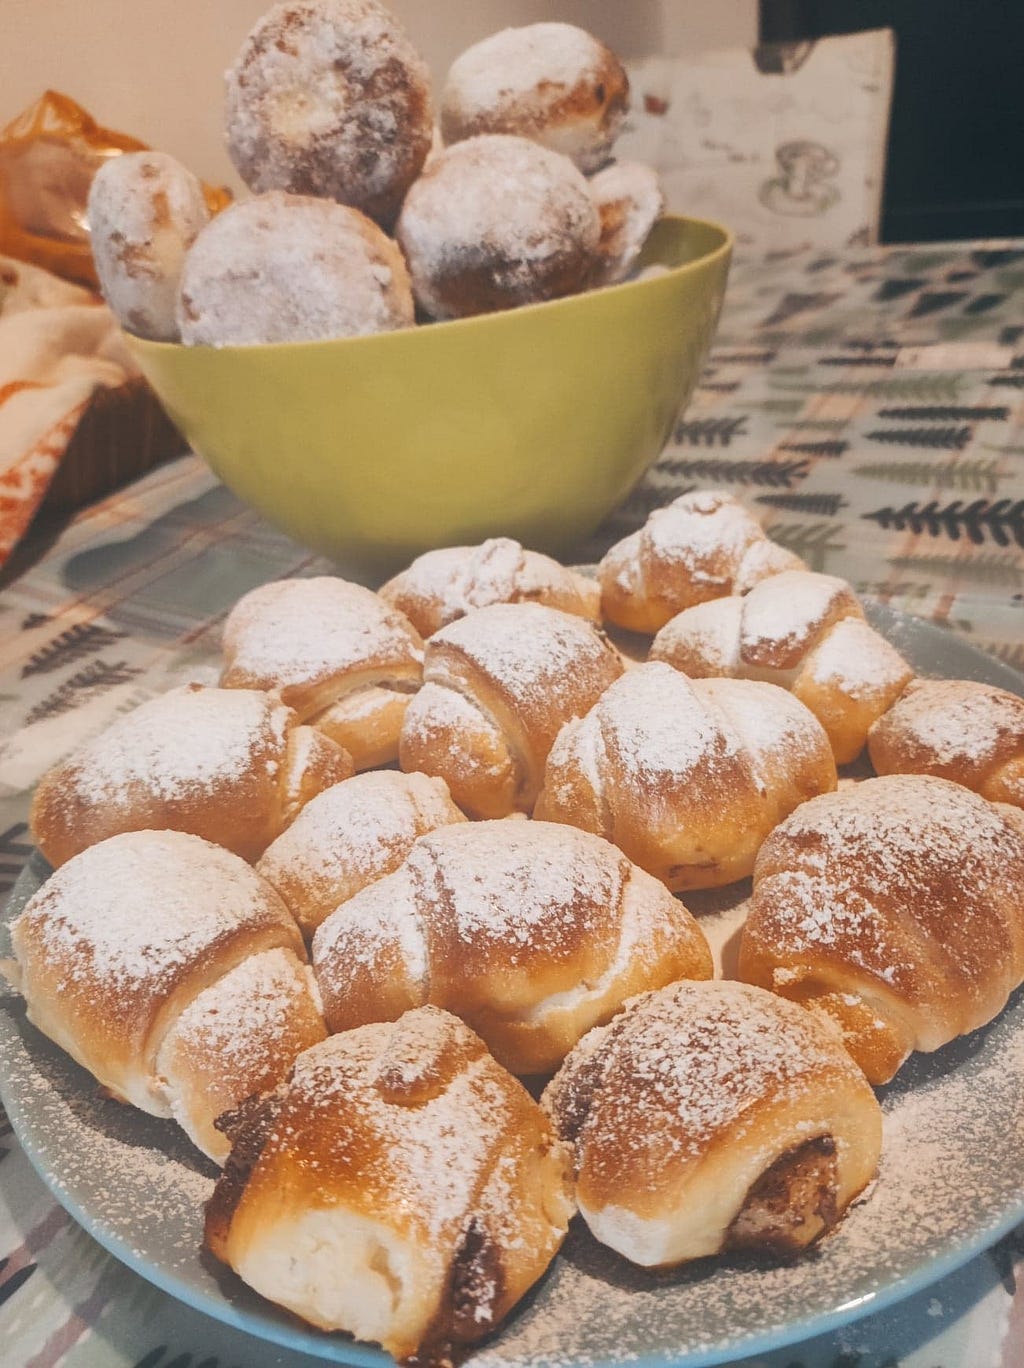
x: 153, y: 67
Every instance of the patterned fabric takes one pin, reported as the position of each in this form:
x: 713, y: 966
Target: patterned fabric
x: 901, y: 469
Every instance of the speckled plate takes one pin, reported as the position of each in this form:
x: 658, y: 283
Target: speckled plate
x: 950, y: 1184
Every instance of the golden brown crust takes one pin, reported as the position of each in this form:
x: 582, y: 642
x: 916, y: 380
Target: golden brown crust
x: 230, y: 766
x: 530, y: 932
x: 957, y: 729
x: 686, y: 777
x: 894, y: 908
x: 498, y: 686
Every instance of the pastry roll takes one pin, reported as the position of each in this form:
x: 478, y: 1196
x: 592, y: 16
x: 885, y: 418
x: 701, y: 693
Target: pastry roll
x: 345, y: 660
x: 955, y: 729
x: 400, y: 1186
x: 498, y: 685
x: 710, y: 1117
x: 702, y: 546
x: 804, y: 632
x: 896, y: 908
x: 532, y: 933
x: 172, y: 972
x: 441, y: 586
x: 350, y: 836
x: 231, y: 765
x: 687, y: 777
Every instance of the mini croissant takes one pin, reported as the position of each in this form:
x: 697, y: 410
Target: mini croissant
x: 703, y: 545
x: 896, y: 908
x: 804, y: 632
x: 687, y: 777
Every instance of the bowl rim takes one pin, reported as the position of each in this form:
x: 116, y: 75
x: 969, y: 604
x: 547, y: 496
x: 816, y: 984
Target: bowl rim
x: 723, y: 251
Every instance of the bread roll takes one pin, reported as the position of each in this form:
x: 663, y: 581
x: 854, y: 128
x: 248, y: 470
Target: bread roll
x: 531, y: 933
x: 232, y: 766
x: 702, y: 546
x: 400, y: 1186
x: 686, y: 776
x: 171, y: 971
x: 895, y: 907
x: 349, y: 837
x: 497, y: 687
x: 441, y: 586
x: 804, y: 632
x: 338, y: 654
x: 710, y: 1117
x: 955, y: 729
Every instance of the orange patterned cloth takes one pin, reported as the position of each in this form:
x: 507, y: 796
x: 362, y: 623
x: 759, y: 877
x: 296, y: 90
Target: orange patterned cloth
x: 58, y: 344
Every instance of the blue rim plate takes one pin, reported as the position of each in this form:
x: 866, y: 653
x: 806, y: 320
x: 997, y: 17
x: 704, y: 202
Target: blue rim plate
x: 950, y: 1184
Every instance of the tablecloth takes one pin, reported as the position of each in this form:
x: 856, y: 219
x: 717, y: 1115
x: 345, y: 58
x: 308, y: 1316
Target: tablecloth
x: 868, y: 404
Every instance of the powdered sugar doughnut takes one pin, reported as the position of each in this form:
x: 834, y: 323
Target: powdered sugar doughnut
x: 145, y: 210
x: 554, y: 83
x: 329, y: 98
x: 289, y: 268
x: 629, y: 200
x: 496, y: 222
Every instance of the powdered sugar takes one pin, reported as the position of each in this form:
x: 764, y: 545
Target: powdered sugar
x: 940, y: 723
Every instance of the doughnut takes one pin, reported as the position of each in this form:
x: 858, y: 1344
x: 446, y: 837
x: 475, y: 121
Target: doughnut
x: 629, y: 200
x: 496, y: 222
x: 554, y: 83
x: 329, y: 98
x: 144, y: 210
x: 290, y: 268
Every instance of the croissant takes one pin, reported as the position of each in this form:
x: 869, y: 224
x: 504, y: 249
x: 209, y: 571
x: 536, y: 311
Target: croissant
x: 172, y: 972
x: 955, y: 729
x: 714, y: 1116
x: 351, y: 835
x: 687, y: 777
x: 346, y: 661
x: 441, y: 586
x: 895, y: 907
x: 702, y: 546
x: 804, y: 632
x: 229, y: 765
x: 498, y: 684
x: 400, y: 1186
x: 531, y: 933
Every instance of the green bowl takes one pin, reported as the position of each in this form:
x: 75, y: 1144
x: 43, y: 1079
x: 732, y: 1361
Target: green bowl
x: 534, y: 423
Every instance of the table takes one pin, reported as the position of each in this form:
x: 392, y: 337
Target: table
x: 868, y: 405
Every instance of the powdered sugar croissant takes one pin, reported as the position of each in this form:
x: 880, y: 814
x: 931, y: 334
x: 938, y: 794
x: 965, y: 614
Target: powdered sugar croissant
x: 701, y: 546
x: 532, y: 933
x: 232, y: 765
x: 896, y: 908
x: 804, y: 632
x: 686, y: 776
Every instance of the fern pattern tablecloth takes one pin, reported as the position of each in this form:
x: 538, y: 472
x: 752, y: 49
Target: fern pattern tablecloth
x: 868, y: 405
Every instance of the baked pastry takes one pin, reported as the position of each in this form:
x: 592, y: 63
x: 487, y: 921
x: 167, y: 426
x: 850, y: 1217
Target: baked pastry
x: 498, y: 685
x: 172, y: 972
x: 686, y: 776
x: 339, y: 655
x: 532, y: 933
x: 551, y: 82
x: 400, y: 1186
x: 804, y: 632
x: 350, y: 836
x: 329, y: 98
x: 956, y: 729
x: 703, y: 545
x: 232, y: 765
x: 710, y: 1117
x: 290, y: 268
x: 440, y: 586
x: 629, y: 201
x: 144, y: 212
x: 895, y: 907
x: 495, y: 222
